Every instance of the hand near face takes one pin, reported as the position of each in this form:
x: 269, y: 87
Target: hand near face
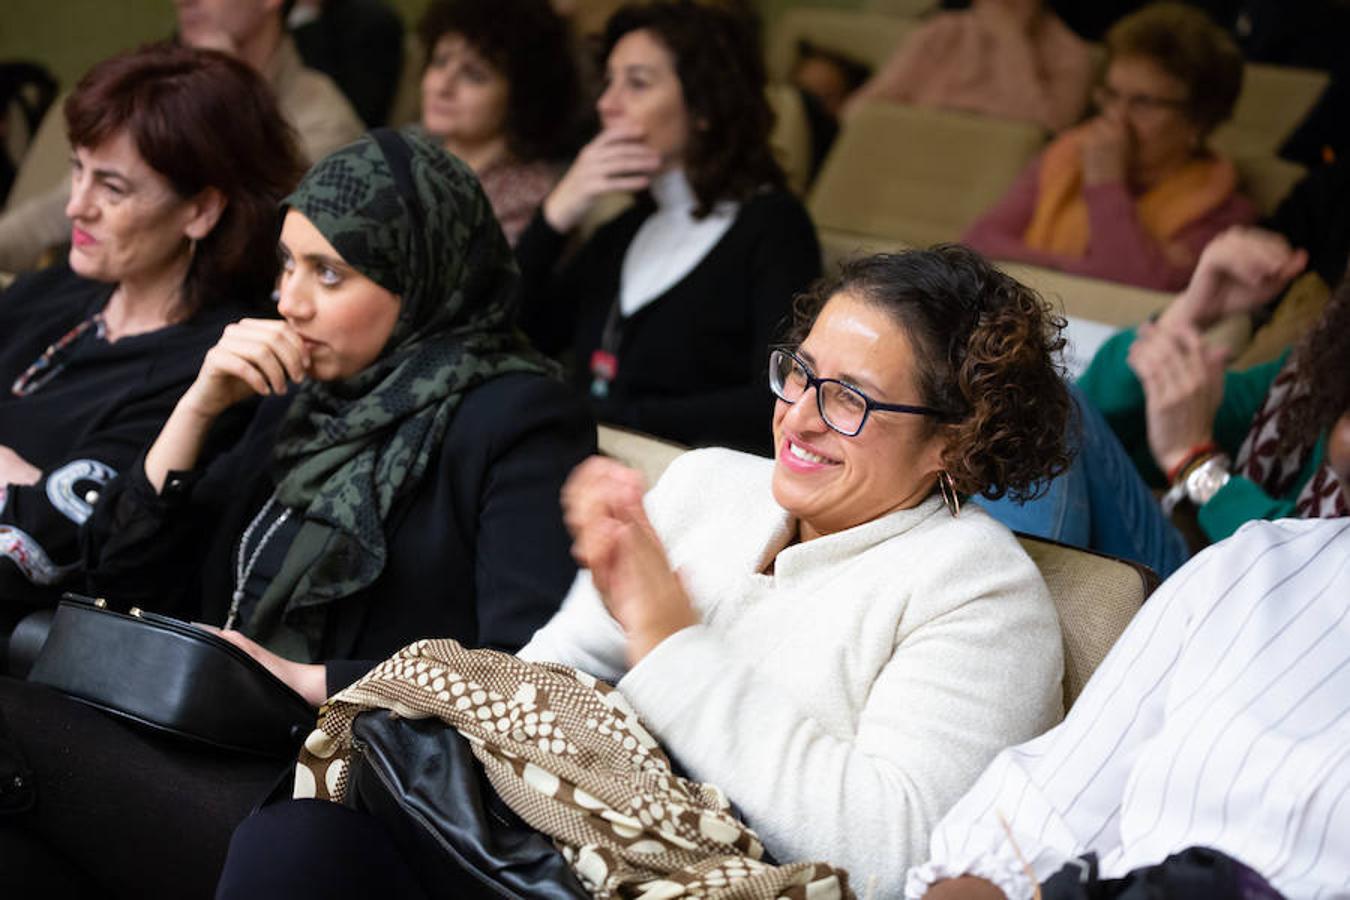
x: 1105, y: 150
x: 1238, y: 271
x: 253, y: 356
x: 1182, y: 379
x: 616, y: 160
x: 613, y: 538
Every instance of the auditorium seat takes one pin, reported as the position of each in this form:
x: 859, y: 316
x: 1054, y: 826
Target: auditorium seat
x: 1108, y: 302
x: 1096, y: 597
x: 901, y: 175
x: 791, y: 135
x: 1274, y: 100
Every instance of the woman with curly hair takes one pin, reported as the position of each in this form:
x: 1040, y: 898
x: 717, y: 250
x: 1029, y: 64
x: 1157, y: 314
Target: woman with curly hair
x: 670, y: 308
x: 834, y: 654
x: 1162, y: 412
x: 501, y: 91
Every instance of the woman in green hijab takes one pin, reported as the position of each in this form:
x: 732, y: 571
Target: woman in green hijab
x: 399, y: 480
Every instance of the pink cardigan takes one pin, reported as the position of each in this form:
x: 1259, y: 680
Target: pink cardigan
x: 955, y: 62
x: 1119, y: 248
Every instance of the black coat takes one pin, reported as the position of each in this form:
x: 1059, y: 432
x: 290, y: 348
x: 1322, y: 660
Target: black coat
x: 693, y: 363
x: 477, y: 552
x: 84, y: 425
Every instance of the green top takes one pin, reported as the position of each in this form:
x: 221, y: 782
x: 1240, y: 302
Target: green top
x: 1110, y: 385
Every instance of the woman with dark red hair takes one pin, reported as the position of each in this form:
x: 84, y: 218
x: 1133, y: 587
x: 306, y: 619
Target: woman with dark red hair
x: 180, y: 157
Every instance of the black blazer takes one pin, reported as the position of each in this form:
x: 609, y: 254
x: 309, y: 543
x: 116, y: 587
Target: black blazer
x: 478, y: 552
x: 693, y: 363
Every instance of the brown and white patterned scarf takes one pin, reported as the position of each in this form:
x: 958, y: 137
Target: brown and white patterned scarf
x: 569, y: 755
x: 1257, y: 460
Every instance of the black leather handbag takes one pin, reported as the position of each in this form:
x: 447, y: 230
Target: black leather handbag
x: 420, y: 778
x: 171, y: 676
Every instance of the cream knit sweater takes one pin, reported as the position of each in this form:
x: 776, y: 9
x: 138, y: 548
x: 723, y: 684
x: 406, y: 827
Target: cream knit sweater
x: 847, y: 700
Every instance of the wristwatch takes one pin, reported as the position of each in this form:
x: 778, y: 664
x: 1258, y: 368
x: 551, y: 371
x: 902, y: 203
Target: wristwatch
x: 1207, y: 479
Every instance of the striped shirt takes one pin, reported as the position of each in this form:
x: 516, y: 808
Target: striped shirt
x: 1221, y: 718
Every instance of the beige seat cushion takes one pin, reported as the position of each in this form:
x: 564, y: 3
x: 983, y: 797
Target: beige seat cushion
x: 916, y: 176
x: 1274, y: 100
x: 47, y: 161
x: 1299, y: 311
x: 1121, y: 305
x: 791, y: 136
x: 649, y: 455
x: 1096, y: 596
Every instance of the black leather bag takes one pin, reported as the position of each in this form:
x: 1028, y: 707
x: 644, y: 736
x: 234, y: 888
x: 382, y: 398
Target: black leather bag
x: 173, y: 677
x: 420, y: 778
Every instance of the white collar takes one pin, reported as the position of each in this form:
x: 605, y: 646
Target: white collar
x: 671, y: 242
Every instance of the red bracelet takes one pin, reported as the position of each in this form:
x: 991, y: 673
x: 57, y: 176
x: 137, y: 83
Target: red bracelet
x: 1193, y: 455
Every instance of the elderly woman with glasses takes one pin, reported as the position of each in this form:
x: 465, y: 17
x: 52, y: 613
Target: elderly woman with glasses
x: 1134, y: 194
x: 830, y: 636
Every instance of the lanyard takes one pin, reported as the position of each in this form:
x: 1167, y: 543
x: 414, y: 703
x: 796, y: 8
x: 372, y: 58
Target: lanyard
x: 605, y: 358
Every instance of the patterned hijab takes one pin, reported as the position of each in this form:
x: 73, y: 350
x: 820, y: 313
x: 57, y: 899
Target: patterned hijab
x: 414, y: 220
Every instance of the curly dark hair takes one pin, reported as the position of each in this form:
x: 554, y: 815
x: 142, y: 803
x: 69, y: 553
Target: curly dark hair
x: 986, y: 348
x: 720, y: 65
x: 1322, y: 361
x: 202, y: 119
x: 1186, y: 44
x: 532, y: 47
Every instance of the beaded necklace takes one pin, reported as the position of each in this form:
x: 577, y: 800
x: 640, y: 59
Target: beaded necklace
x: 55, y: 358
x: 244, y: 563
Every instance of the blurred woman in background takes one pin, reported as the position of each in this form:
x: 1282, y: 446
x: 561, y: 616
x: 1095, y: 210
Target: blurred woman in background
x: 669, y: 308
x: 1013, y: 59
x: 1135, y: 194
x: 502, y: 92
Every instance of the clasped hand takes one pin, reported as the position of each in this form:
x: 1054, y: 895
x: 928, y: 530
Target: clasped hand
x: 612, y: 537
x: 1181, y: 375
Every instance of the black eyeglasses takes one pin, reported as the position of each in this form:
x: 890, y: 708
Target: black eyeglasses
x: 842, y: 406
x: 1106, y: 96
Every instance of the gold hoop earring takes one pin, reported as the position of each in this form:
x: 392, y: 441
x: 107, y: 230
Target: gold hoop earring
x: 947, y: 488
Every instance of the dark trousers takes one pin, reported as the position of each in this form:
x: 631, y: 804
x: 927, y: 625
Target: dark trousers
x: 314, y: 849
x: 122, y: 810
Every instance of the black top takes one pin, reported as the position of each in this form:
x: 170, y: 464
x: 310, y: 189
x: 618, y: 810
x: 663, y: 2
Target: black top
x: 358, y: 44
x: 89, y: 421
x: 477, y: 552
x: 693, y: 363
x: 1316, y: 217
